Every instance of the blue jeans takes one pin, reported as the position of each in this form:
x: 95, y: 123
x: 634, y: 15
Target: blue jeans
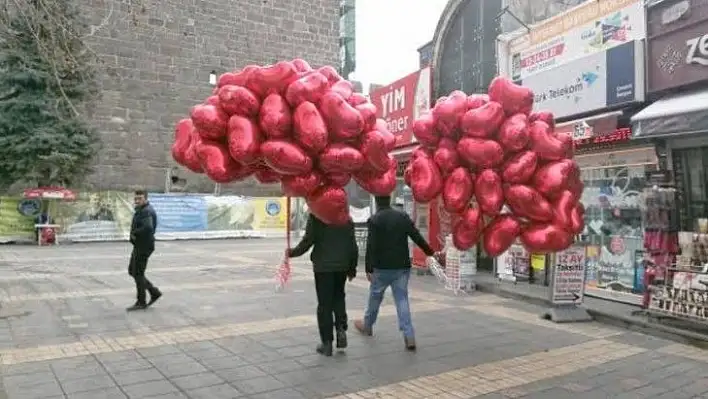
x: 398, y: 280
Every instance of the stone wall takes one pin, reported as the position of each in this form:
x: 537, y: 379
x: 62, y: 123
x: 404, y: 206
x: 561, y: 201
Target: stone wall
x: 156, y: 59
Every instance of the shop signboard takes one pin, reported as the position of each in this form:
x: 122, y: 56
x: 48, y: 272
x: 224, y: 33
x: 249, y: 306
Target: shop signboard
x: 401, y: 102
x: 514, y: 264
x: 568, y: 282
x: 678, y: 44
x: 601, y: 80
x: 592, y: 27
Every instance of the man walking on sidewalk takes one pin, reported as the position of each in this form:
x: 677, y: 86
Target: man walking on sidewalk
x: 388, y: 263
x: 334, y: 258
x: 142, y: 236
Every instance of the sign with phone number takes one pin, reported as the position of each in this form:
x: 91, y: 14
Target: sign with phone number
x: 569, y: 277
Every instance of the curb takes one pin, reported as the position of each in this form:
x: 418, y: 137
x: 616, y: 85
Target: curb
x: 629, y: 323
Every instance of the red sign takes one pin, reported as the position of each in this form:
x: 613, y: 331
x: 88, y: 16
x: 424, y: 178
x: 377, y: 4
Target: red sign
x: 619, y: 135
x: 401, y: 102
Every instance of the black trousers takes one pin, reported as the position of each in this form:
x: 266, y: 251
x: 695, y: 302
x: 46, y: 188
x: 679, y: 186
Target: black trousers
x: 138, y: 263
x: 331, y: 305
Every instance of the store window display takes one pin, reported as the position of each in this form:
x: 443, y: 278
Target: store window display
x: 614, y: 234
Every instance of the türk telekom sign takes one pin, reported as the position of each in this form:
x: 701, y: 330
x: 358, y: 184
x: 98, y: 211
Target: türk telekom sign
x: 401, y: 102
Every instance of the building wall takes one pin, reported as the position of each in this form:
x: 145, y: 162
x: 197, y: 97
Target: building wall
x: 156, y: 60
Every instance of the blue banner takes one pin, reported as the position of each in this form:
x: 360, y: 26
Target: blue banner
x: 180, y: 213
x: 620, y: 74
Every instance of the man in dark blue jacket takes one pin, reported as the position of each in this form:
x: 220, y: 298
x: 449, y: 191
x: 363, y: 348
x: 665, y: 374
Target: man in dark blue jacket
x: 388, y: 263
x: 142, y: 236
x: 334, y: 258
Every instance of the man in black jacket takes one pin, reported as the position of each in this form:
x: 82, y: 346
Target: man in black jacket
x: 142, y: 236
x: 388, y: 263
x: 334, y: 257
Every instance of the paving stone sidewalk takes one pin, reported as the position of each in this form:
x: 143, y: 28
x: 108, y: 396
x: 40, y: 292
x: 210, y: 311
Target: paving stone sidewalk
x: 221, y: 331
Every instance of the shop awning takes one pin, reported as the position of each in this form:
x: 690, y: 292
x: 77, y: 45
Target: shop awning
x: 678, y: 114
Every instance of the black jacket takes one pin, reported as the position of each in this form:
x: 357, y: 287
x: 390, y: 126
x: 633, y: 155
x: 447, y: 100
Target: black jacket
x: 142, y: 229
x: 387, y: 240
x: 334, y: 248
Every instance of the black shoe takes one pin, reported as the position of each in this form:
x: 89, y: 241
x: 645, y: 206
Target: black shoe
x: 341, y: 339
x: 137, y: 306
x: 154, y: 298
x: 410, y: 343
x: 325, y: 348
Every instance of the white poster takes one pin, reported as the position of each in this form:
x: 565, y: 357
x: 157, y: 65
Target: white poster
x: 590, y: 28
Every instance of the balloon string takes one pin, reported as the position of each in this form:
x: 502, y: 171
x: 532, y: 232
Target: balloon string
x: 287, y: 223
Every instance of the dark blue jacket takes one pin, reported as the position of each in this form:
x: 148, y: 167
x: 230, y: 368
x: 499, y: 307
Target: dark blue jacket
x: 142, y: 229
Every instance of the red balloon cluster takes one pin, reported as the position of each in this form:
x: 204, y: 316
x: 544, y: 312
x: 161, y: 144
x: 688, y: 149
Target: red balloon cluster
x: 289, y: 123
x: 501, y: 170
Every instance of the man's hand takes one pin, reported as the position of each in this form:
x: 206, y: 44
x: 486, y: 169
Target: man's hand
x: 351, y: 274
x: 287, y: 253
x: 369, y: 277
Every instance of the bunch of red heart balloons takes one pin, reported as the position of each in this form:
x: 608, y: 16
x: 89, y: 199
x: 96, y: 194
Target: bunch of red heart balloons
x: 501, y: 170
x: 289, y: 123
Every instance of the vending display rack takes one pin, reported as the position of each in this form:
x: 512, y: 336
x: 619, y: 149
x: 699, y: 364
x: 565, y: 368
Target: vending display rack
x: 683, y: 295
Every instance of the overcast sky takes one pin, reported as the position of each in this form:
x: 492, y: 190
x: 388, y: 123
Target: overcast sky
x: 388, y: 34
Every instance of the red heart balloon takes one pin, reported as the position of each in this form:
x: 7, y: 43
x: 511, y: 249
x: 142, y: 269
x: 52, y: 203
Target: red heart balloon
x: 457, y: 191
x: 182, y: 140
x: 577, y: 219
x: 237, y: 100
x: 446, y: 156
x: 389, y: 138
x: 368, y: 113
x: 482, y: 122
x: 480, y: 153
x: 476, y: 100
x: 520, y: 168
x: 545, y: 144
x: 275, y: 117
x: 266, y: 176
x: 244, y: 139
x: 563, y: 209
x: 424, y: 130
x: 421, y: 151
x: 545, y: 238
x: 514, y: 133
x: 218, y: 164
x: 310, y: 128
x: 329, y: 204
x: 373, y: 148
x: 426, y: 180
x: 300, y: 186
x: 447, y: 113
x: 526, y: 202
x: 210, y: 121
x: 554, y: 177
x: 285, y: 157
x: 543, y: 116
x: 340, y: 157
x: 489, y: 193
x: 378, y: 185
x: 514, y: 98
x: 337, y: 179
x: 467, y: 230
x: 344, y: 121
x: 500, y: 234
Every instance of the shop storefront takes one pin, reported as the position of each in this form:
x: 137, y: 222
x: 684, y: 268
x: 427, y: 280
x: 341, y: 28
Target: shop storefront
x: 677, y: 70
x: 590, y: 74
x: 677, y: 81
x: 400, y: 103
